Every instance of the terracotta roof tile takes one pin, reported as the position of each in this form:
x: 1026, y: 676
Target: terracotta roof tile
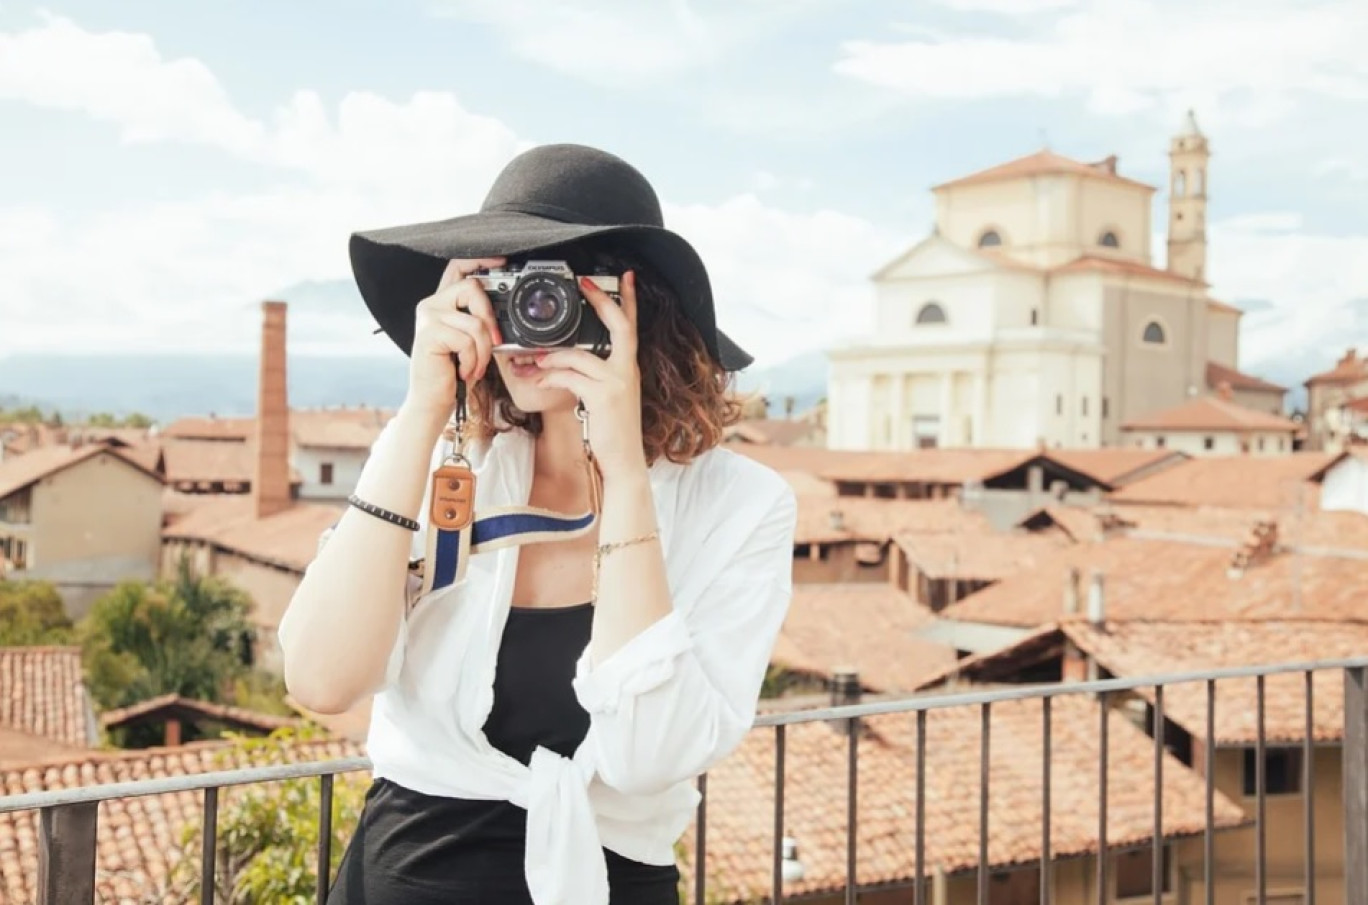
x: 210, y: 427
x: 1217, y: 374
x: 18, y: 472
x: 1263, y: 482
x: 1349, y: 369
x: 1208, y: 413
x: 1116, y: 465
x: 825, y: 519
x: 139, y: 839
x: 978, y: 557
x: 1310, y: 528
x: 42, y: 692
x: 173, y: 706
x: 1041, y: 163
x: 741, y: 795
x: 1169, y: 580
x: 1146, y: 649
x: 868, y: 627
x: 933, y: 466
x: 197, y: 462
x: 1224, y: 308
x: 288, y: 539
x: 1124, y: 267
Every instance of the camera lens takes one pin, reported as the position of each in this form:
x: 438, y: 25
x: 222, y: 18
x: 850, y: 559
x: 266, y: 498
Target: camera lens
x: 544, y: 310
x: 540, y: 306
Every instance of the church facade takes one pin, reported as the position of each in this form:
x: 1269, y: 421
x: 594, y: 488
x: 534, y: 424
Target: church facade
x: 1033, y: 314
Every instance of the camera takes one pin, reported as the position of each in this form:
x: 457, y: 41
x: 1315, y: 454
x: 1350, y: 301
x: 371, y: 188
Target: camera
x: 538, y: 305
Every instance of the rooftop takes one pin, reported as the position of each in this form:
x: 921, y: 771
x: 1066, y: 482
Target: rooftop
x: 1242, y: 482
x: 1209, y: 413
x: 1044, y: 163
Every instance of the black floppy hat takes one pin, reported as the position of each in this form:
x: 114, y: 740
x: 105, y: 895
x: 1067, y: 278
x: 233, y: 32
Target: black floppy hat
x: 548, y: 196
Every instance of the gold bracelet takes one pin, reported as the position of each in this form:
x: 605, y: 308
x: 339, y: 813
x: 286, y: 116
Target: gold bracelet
x: 604, y: 549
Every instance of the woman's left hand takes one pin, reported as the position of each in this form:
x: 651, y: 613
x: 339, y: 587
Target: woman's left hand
x: 610, y: 388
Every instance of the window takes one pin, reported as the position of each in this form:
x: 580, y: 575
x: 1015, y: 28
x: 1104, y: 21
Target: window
x: 1282, y: 771
x: 13, y: 552
x: 1059, y: 404
x: 1085, y: 406
x: 325, y: 473
x: 1035, y: 317
x: 1135, y: 875
x: 931, y: 313
x: 1261, y: 444
x: 1154, y: 334
x: 1180, y: 184
x: 926, y: 431
x: 989, y: 239
x: 1160, y: 442
x: 1208, y: 443
x: 1106, y: 406
x: 1108, y: 240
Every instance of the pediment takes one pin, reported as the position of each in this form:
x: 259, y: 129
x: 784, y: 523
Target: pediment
x: 935, y: 256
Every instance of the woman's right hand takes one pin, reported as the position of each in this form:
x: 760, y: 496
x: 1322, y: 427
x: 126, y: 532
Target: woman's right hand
x: 457, y: 320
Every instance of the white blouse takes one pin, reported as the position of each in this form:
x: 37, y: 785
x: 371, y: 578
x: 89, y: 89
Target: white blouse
x: 664, y: 708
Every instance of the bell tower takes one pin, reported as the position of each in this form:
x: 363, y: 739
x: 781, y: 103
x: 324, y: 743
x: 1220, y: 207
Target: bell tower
x: 1188, y: 159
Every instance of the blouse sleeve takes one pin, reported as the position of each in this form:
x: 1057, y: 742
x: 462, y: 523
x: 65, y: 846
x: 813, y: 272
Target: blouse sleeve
x: 681, y: 695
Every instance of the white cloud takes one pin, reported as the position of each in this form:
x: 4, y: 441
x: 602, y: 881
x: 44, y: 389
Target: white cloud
x: 1007, y: 7
x: 1244, y: 61
x: 605, y: 40
x: 188, y: 274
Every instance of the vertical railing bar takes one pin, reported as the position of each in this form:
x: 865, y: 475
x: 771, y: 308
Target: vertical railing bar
x: 701, y: 843
x: 1308, y: 792
x: 1209, y: 768
x: 1354, y: 783
x: 1260, y: 797
x: 325, y: 801
x: 1157, y: 848
x: 779, y: 751
x: 854, y: 727
x: 1047, y: 805
x: 67, y: 853
x: 985, y: 780
x: 919, y: 893
x: 209, y: 846
x: 1103, y: 768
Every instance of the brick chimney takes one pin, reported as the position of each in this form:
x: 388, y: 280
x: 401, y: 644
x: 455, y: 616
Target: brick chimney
x: 271, y: 476
x: 1258, y: 547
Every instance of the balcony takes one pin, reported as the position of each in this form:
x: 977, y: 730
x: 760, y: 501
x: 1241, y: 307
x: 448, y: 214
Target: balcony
x: 1063, y: 793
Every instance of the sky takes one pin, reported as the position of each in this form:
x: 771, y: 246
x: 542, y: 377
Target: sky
x: 168, y: 165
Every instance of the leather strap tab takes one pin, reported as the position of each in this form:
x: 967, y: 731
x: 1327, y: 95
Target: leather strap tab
x: 453, y: 497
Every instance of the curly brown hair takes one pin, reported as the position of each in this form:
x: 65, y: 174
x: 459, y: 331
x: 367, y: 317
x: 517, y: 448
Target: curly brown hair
x: 687, y: 399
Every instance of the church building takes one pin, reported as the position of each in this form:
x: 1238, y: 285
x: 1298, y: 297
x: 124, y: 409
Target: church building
x: 1033, y: 314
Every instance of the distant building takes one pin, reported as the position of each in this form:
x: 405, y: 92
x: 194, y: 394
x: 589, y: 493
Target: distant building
x: 84, y: 517
x: 1337, y: 404
x: 1033, y: 314
x: 1213, y: 426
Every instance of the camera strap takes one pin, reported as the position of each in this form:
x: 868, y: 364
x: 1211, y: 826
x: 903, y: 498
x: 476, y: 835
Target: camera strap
x: 455, y: 533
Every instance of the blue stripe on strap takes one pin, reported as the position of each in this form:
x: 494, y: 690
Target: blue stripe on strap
x: 447, y: 558
x: 498, y: 527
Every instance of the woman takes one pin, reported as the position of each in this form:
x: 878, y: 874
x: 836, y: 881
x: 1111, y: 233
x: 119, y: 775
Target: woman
x: 551, y: 678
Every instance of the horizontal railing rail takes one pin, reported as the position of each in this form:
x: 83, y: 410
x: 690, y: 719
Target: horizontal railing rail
x: 69, y: 817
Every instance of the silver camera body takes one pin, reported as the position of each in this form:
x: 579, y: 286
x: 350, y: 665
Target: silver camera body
x: 538, y: 305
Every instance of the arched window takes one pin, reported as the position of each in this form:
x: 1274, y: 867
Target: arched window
x: 990, y: 239
x: 1154, y: 334
x: 1199, y: 182
x: 931, y: 313
x: 1109, y: 240
x: 1180, y: 183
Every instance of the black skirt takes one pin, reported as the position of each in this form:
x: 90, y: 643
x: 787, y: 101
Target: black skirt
x: 416, y: 849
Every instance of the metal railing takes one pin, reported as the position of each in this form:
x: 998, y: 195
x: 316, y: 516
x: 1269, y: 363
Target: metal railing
x: 69, y: 818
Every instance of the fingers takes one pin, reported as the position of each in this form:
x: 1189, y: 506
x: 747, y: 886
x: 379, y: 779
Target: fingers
x: 581, y: 361
x: 459, y: 269
x: 446, y: 339
x: 470, y: 296
x: 565, y: 379
x: 473, y: 366
x: 621, y: 326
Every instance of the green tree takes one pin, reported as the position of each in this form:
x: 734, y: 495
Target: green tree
x: 188, y: 636
x: 138, y: 420
x: 267, y: 842
x: 102, y: 419
x: 31, y: 612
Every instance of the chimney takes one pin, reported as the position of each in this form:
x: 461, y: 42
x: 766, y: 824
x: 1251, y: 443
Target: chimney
x: 836, y: 519
x: 271, y: 476
x: 1035, y: 483
x: 1097, y: 601
x: 789, y: 404
x: 1258, y: 547
x: 845, y: 690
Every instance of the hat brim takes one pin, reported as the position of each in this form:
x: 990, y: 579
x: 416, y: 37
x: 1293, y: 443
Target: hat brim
x: 397, y: 267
